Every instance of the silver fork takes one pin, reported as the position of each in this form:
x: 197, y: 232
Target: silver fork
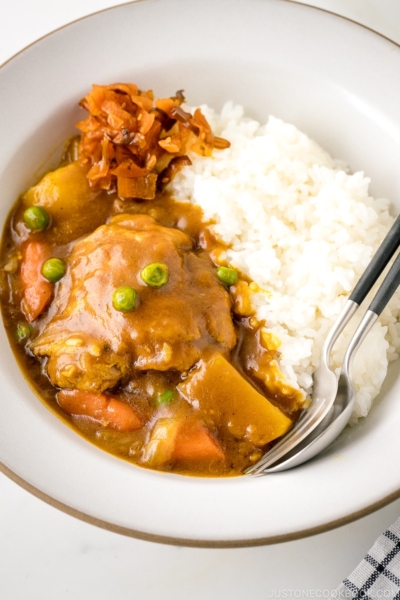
x: 325, y: 381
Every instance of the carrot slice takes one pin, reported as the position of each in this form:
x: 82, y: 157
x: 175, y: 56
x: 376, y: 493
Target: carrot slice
x: 107, y: 410
x: 37, y: 291
x: 195, y: 443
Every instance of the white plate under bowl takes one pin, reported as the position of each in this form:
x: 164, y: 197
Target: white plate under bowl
x: 337, y: 81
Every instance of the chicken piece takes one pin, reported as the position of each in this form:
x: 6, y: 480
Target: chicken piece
x: 90, y: 345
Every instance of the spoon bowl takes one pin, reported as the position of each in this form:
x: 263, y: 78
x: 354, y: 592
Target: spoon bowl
x: 326, y: 432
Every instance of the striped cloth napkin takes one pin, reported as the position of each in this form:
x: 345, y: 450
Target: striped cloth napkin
x: 378, y: 574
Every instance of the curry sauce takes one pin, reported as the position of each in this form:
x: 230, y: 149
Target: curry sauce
x: 240, y: 342
x: 121, y: 309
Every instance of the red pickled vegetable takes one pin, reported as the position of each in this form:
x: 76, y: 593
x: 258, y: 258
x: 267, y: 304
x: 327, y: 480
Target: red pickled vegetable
x: 129, y: 138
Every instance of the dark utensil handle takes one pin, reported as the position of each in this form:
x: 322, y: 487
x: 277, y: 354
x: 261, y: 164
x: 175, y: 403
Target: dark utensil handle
x: 381, y: 258
x: 387, y: 289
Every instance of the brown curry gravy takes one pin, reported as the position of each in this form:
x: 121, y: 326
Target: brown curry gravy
x: 251, y: 353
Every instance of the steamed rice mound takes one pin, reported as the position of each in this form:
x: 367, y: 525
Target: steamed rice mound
x: 304, y: 230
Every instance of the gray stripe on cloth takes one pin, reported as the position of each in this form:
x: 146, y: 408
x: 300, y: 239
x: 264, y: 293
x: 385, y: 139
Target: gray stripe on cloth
x: 378, y: 574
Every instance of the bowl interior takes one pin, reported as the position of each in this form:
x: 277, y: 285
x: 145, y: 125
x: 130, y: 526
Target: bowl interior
x: 336, y: 81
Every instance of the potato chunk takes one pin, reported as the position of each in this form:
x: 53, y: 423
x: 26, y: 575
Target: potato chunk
x: 219, y: 391
x: 73, y: 206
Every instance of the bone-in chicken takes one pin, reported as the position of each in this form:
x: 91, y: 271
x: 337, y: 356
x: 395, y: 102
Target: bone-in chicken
x: 92, y: 346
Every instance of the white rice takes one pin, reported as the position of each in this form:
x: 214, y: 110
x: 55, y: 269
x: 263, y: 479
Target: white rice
x: 304, y: 230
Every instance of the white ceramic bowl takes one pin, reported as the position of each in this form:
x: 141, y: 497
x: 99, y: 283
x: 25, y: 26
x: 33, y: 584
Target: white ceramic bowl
x: 337, y: 81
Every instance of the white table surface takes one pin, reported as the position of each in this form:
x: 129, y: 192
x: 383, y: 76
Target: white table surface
x: 48, y: 555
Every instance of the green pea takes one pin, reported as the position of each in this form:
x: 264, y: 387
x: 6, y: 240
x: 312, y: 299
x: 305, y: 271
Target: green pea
x: 36, y: 218
x: 24, y: 330
x: 124, y: 298
x: 165, y: 397
x: 156, y: 274
x: 227, y: 275
x: 53, y: 269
